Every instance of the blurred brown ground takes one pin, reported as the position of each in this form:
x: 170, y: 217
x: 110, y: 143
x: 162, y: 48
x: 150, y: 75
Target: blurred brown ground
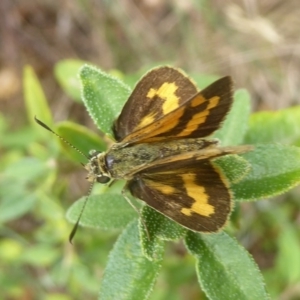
x: 257, y: 42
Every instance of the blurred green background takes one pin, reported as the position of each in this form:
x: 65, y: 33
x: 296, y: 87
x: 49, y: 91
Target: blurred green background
x: 256, y: 42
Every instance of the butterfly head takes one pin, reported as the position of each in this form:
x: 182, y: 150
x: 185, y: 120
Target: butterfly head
x: 96, y: 167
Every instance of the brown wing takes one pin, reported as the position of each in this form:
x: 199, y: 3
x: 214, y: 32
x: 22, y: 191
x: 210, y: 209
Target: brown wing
x: 193, y: 194
x: 160, y: 91
x: 197, y: 117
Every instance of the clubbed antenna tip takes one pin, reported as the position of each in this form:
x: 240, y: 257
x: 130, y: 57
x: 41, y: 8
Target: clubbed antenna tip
x: 60, y: 137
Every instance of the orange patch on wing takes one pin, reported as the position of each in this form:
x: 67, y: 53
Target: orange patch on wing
x: 166, y: 92
x: 167, y: 125
x: 146, y: 120
x: 201, y: 205
x: 199, y: 118
x: 199, y: 99
x: 213, y: 102
x: 164, y: 188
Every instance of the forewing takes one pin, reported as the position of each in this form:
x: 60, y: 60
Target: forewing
x: 197, y: 117
x: 159, y: 92
x: 195, y: 195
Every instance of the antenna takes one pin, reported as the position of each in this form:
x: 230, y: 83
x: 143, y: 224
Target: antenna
x: 72, y: 234
x: 60, y: 137
x: 74, y: 230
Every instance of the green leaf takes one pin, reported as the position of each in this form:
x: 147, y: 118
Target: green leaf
x: 225, y: 269
x: 11, y: 206
x: 19, y: 170
x: 57, y: 296
x: 234, y: 167
x: 288, y: 259
x: 10, y: 250
x: 66, y: 72
x: 103, y: 95
x: 129, y: 275
x: 106, y: 211
x: 204, y: 80
x: 22, y: 138
x: 16, y: 187
x: 42, y: 255
x: 274, y: 170
x: 159, y: 228
x: 275, y: 127
x: 35, y: 99
x: 79, y: 136
x: 236, y: 123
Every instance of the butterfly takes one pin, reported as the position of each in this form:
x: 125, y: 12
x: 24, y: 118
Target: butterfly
x: 163, y: 151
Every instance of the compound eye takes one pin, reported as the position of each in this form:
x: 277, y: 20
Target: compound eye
x: 103, y: 179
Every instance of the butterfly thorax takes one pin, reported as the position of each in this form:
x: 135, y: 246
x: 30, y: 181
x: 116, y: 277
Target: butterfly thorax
x: 122, y: 162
